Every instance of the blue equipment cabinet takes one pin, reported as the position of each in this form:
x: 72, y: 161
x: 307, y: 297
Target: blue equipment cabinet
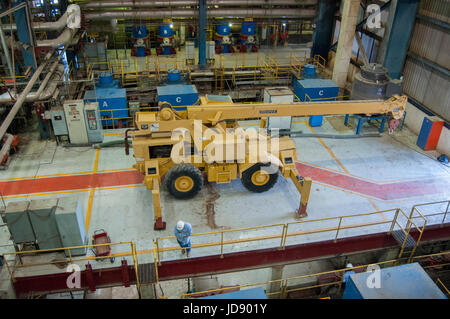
x: 408, y: 281
x: 109, y: 99
x: 178, y: 95
x: 317, y: 90
x: 253, y: 293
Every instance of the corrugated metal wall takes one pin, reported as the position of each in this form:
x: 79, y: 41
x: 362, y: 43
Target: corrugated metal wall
x: 429, y: 87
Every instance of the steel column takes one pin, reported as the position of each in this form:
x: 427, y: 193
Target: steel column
x: 202, y: 18
x: 24, y: 33
x: 402, y: 15
x: 324, y: 27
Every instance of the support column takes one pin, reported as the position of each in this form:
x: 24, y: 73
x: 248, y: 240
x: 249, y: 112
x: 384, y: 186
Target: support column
x: 25, y: 34
x: 277, y: 274
x: 324, y: 28
x: 202, y: 16
x: 345, y: 42
x: 394, y: 47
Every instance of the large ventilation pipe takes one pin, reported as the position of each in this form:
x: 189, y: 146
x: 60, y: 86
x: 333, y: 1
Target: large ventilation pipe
x: 63, y: 39
x: 181, y: 13
x: 45, y: 91
x: 185, y: 3
x: 22, y: 97
x: 51, y: 26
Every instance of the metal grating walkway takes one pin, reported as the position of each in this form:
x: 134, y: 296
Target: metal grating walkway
x: 147, y: 274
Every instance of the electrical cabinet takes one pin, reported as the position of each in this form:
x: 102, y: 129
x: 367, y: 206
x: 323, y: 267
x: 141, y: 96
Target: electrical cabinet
x: 93, y: 123
x: 190, y: 50
x: 18, y: 221
x: 69, y: 217
x: 430, y: 133
x: 112, y: 103
x: 210, y: 50
x: 178, y: 95
x: 134, y: 107
x: 58, y: 118
x: 278, y: 95
x: 74, y: 111
x: 316, y: 90
x: 42, y: 217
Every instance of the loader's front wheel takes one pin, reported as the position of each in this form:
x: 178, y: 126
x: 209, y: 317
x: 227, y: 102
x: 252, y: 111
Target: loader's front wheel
x: 184, y: 181
x: 257, y: 178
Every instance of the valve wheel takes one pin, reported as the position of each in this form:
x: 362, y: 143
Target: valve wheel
x: 184, y: 181
x: 257, y: 179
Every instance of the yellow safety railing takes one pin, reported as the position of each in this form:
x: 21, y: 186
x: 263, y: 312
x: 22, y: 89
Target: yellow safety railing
x: 281, y: 232
x: 108, y: 117
x: 303, y: 282
x: 69, y: 256
x: 419, y: 210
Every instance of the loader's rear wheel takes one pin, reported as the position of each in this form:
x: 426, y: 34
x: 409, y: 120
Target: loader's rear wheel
x: 184, y: 181
x: 257, y: 179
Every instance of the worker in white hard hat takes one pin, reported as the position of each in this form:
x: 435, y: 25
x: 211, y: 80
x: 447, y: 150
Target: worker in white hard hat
x: 183, y: 232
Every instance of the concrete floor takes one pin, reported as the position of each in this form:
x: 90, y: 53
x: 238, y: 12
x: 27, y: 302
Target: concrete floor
x: 350, y: 176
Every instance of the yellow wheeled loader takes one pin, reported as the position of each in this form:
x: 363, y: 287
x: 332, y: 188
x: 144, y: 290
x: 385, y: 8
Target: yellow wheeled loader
x: 206, y: 140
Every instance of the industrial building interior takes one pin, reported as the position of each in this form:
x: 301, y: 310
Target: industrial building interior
x: 306, y: 142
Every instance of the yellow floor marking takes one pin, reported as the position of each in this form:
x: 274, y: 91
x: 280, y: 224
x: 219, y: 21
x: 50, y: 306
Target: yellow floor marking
x: 91, y: 193
x: 328, y: 149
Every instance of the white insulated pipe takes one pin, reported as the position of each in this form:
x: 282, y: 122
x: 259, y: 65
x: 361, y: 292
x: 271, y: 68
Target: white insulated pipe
x: 45, y: 91
x: 51, y: 26
x: 232, y: 12
x: 185, y: 3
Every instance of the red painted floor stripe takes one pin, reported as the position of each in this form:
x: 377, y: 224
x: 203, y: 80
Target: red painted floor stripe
x: 67, y: 183
x: 389, y: 191
x: 382, y: 191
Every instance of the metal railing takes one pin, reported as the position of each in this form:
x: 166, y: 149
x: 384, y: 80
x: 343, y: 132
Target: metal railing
x: 419, y: 209
x: 18, y: 257
x: 281, y: 232
x: 303, y: 282
x: 278, y: 235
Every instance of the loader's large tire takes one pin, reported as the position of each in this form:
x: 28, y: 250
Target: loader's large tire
x: 256, y: 181
x: 184, y: 181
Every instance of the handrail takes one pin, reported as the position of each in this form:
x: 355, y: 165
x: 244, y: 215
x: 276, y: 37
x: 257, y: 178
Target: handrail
x: 339, y: 273
x: 284, y: 234
x: 132, y: 252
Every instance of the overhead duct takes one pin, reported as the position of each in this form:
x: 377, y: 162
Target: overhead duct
x: 62, y: 22
x: 181, y: 13
x: 63, y: 39
x: 45, y: 91
x: 185, y: 3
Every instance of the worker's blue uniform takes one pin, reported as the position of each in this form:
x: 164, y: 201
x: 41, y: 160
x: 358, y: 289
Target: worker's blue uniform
x: 347, y: 275
x: 184, y: 236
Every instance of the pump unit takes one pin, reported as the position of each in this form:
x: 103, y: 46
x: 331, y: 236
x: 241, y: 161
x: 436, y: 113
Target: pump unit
x: 223, y: 38
x: 316, y: 90
x: 178, y: 95
x: 165, y: 37
x: 247, y: 39
x: 112, y: 100
x: 141, y: 41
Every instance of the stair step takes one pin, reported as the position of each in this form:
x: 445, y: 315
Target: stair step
x: 147, y: 273
x: 399, y: 236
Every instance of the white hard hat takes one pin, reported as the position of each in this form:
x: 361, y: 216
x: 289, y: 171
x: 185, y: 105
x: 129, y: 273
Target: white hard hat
x: 180, y: 225
x: 349, y: 266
